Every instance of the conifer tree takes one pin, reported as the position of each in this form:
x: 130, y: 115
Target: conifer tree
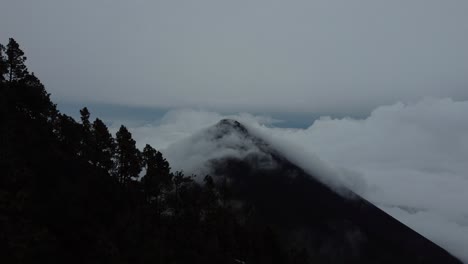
x: 210, y: 194
x: 85, y: 118
x: 104, y: 147
x: 68, y: 131
x: 157, y: 177
x: 128, y: 156
x: 32, y: 98
x: 3, y: 64
x: 16, y: 69
x: 87, y: 137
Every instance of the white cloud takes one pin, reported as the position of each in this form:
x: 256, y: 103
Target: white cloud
x: 409, y: 159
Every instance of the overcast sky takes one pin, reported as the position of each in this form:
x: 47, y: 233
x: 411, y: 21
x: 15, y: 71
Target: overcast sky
x: 244, y: 55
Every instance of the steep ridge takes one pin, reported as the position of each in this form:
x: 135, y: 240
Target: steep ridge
x: 331, y: 227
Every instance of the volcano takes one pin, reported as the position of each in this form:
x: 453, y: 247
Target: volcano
x: 331, y: 226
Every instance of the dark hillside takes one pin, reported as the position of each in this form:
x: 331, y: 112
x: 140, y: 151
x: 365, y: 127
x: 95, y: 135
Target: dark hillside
x: 333, y: 228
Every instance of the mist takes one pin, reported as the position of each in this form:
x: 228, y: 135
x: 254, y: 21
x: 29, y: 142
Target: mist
x: 407, y: 158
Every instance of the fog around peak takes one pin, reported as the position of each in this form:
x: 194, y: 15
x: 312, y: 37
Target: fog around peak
x: 407, y: 158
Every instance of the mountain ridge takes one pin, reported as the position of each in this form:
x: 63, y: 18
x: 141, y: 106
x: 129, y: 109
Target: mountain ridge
x: 357, y: 230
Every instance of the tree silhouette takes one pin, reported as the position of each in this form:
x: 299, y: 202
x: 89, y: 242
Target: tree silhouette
x: 32, y: 99
x: 104, y: 146
x: 15, y: 61
x: 128, y: 156
x: 3, y: 64
x: 87, y: 142
x: 210, y: 193
x: 85, y: 119
x: 157, y: 177
x: 69, y: 134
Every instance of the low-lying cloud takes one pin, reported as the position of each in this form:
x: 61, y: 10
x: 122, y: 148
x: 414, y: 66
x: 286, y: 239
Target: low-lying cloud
x: 408, y: 159
x: 193, y: 154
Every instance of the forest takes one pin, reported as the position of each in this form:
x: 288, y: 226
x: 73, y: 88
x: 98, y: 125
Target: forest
x: 71, y: 192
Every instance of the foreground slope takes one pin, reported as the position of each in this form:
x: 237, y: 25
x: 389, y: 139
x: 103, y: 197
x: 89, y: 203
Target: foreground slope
x: 330, y: 227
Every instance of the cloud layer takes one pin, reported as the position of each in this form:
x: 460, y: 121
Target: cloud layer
x: 297, y: 55
x: 409, y: 159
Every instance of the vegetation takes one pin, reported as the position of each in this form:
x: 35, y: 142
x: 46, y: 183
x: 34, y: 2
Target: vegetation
x: 72, y: 193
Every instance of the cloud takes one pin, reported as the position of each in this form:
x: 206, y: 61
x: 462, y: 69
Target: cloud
x: 193, y: 153
x: 321, y: 55
x: 407, y: 158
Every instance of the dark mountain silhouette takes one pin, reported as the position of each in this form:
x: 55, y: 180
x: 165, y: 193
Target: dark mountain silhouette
x: 307, y: 214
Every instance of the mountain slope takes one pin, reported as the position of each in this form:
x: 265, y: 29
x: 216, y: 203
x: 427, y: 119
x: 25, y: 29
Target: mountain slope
x: 307, y: 214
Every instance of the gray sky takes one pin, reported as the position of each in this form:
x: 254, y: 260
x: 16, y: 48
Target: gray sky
x: 244, y: 55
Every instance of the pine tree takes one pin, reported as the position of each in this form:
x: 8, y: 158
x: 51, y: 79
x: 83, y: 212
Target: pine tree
x: 128, y: 156
x: 28, y: 94
x: 68, y: 132
x: 16, y: 69
x: 180, y: 182
x: 104, y: 147
x: 157, y: 177
x: 32, y: 98
x: 85, y: 118
x: 87, y: 143
x: 210, y: 196
x: 3, y: 64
